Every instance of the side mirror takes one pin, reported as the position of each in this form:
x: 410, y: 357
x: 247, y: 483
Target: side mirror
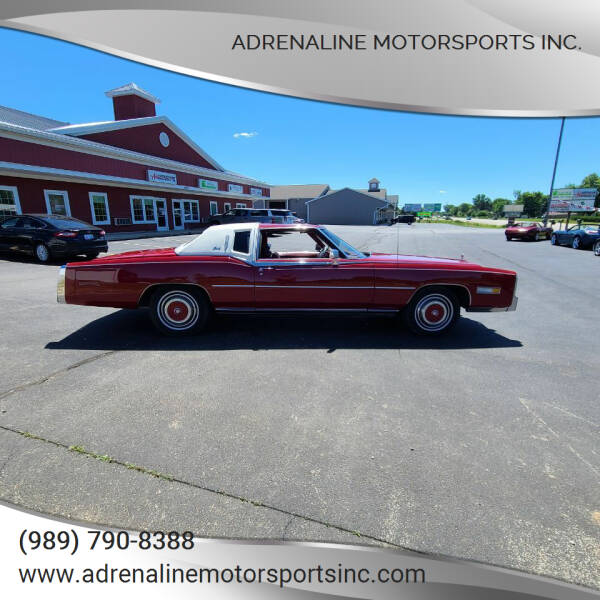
x: 335, y: 254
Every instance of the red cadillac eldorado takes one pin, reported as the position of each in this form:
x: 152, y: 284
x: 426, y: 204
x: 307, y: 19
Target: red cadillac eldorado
x: 256, y: 267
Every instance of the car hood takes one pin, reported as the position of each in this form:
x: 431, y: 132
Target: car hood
x: 429, y: 262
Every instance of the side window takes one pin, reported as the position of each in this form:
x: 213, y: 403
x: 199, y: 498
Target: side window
x: 241, y: 242
x: 29, y: 224
x: 9, y: 223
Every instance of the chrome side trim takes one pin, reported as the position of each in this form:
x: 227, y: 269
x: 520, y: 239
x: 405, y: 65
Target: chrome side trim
x: 60, y: 285
x: 319, y: 287
x: 218, y: 285
x: 315, y: 310
x: 396, y: 287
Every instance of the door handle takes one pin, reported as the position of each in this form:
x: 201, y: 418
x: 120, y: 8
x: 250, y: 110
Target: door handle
x: 262, y: 269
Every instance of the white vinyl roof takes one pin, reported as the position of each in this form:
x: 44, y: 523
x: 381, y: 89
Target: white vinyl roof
x: 216, y: 240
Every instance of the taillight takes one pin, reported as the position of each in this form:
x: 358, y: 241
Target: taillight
x: 66, y: 234
x: 102, y: 233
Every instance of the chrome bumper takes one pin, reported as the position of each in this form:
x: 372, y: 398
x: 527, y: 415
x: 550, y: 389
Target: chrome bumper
x: 60, y: 285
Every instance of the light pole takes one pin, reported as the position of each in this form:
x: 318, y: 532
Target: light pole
x: 562, y: 126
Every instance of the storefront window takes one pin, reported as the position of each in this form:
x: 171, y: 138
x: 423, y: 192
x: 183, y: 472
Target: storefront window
x: 57, y: 203
x: 191, y: 210
x: 214, y: 209
x: 99, y: 208
x: 9, y: 202
x: 142, y: 210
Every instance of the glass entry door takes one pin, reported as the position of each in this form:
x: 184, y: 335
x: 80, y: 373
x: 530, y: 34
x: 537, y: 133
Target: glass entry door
x: 178, y: 216
x: 162, y: 220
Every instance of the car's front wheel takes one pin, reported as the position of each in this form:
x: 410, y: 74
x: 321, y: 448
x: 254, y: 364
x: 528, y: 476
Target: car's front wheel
x: 42, y: 254
x: 178, y: 311
x: 576, y: 243
x: 554, y: 240
x: 432, y: 311
x: 597, y: 248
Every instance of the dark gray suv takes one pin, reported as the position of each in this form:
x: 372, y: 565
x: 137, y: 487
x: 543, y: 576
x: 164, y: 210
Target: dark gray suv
x: 252, y: 215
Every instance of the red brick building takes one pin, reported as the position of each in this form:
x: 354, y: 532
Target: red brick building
x: 138, y: 172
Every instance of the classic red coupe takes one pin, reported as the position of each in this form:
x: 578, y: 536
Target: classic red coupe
x: 528, y: 231
x: 256, y: 267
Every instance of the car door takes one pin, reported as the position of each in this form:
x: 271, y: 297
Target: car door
x: 298, y: 278
x: 313, y: 284
x: 28, y: 234
x: 7, y: 233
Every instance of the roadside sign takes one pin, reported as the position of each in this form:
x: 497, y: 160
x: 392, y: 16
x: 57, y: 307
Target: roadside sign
x: 424, y: 213
x: 412, y: 207
x: 572, y: 200
x: 432, y: 207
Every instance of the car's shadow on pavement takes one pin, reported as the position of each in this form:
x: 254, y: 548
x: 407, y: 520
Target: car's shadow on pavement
x: 132, y: 330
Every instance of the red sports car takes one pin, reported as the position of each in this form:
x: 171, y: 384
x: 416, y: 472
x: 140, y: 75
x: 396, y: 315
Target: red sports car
x: 256, y: 268
x: 528, y: 231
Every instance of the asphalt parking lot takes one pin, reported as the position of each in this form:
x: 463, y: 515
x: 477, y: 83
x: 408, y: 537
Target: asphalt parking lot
x: 483, y: 444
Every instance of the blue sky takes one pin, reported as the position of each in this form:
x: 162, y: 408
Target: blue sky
x: 423, y: 158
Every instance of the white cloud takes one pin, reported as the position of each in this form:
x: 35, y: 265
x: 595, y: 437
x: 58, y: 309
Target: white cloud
x: 443, y: 192
x: 245, y: 134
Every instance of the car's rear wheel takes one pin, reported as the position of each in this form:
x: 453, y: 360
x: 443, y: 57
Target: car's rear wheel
x: 42, y: 254
x: 178, y: 311
x: 508, y: 238
x: 576, y: 243
x: 597, y: 248
x: 432, y: 311
x: 554, y: 240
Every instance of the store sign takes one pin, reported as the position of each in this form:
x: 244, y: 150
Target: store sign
x: 432, y: 207
x: 572, y: 200
x: 412, y: 207
x: 256, y: 191
x: 162, y: 177
x: 234, y: 187
x: 208, y: 184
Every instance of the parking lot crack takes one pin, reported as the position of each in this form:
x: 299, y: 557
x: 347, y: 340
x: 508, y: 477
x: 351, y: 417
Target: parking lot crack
x: 55, y: 374
x: 557, y: 436
x: 226, y: 494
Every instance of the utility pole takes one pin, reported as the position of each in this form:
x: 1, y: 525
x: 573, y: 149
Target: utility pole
x: 562, y: 126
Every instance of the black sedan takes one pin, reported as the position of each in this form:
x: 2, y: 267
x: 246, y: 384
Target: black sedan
x: 576, y: 237
x: 51, y: 236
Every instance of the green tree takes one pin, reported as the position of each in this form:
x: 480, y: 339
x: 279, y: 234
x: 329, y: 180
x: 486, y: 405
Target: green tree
x: 451, y: 209
x: 534, y: 203
x: 482, y: 202
x: 498, y: 205
x: 464, y: 209
x: 592, y: 181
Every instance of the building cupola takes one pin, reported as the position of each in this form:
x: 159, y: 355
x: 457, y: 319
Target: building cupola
x: 132, y: 102
x: 374, y: 185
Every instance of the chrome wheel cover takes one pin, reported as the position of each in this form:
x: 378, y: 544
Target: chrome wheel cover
x: 178, y: 310
x: 42, y: 252
x: 434, y: 312
x: 576, y: 243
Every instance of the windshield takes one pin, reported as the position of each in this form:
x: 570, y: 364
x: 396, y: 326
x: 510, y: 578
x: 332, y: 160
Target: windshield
x: 348, y: 250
